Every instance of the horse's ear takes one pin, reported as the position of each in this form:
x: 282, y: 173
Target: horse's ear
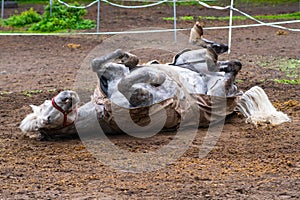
x: 35, y: 109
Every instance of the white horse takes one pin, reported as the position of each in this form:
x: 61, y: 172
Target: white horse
x: 145, y: 86
x: 194, y: 75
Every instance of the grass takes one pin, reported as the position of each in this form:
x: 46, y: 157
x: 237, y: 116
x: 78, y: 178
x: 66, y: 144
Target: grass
x: 183, y: 2
x: 289, y: 67
x: 46, y: 1
x: 184, y: 18
x: 288, y: 16
x: 266, y: 1
x: 287, y: 81
x: 31, y: 92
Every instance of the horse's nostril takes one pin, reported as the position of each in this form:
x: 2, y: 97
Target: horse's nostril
x: 46, y: 120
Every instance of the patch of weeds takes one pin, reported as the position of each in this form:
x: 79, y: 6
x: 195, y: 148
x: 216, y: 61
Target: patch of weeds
x: 239, y: 81
x: 289, y: 67
x: 52, y: 90
x: 272, y: 2
x: 288, y: 16
x: 5, y: 92
x: 168, y: 18
x: 183, y: 18
x: 186, y: 18
x: 62, y: 18
x: 287, y: 81
x: 25, y: 18
x: 31, y: 92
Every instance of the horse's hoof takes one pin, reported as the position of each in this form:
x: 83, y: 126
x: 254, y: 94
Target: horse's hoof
x: 237, y: 66
x: 219, y: 48
x: 129, y: 60
x: 232, y: 67
x: 141, y: 97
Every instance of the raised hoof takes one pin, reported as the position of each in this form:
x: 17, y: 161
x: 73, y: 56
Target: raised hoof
x: 233, y: 67
x: 129, y: 60
x: 141, y: 97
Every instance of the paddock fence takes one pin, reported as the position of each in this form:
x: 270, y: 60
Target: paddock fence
x: 230, y: 26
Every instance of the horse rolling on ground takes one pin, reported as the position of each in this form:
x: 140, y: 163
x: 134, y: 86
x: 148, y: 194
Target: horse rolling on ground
x: 143, y: 86
x: 132, y: 86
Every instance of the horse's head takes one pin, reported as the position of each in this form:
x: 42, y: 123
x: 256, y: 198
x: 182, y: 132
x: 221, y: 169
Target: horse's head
x: 61, y: 112
x: 58, y: 113
x: 67, y: 100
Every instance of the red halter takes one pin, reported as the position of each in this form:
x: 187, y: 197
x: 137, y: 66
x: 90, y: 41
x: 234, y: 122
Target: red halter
x: 65, y: 113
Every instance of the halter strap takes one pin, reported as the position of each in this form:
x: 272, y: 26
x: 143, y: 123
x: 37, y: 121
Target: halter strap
x: 65, y: 113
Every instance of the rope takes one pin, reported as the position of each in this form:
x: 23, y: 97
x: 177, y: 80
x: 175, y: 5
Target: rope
x: 201, y: 3
x: 149, y: 31
x: 79, y: 7
x: 247, y: 15
x: 113, y: 4
x: 267, y: 24
x: 132, y: 7
x: 213, y: 7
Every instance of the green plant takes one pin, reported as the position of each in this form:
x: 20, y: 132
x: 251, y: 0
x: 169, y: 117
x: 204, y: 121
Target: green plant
x: 287, y: 81
x: 183, y: 18
x: 31, y: 92
x: 25, y: 18
x: 288, y: 16
x: 62, y: 18
x: 186, y: 18
x: 273, y: 2
x: 52, y: 90
x: 290, y: 68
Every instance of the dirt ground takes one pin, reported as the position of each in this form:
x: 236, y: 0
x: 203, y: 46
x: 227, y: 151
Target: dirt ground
x: 246, y: 163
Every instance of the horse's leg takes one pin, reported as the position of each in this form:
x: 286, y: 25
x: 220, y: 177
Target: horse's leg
x: 225, y: 86
x: 107, y: 70
x: 99, y: 62
x: 136, y: 94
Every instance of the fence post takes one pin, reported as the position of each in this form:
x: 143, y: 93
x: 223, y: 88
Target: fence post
x: 50, y: 7
x: 175, y: 22
x: 230, y: 27
x: 2, y: 9
x: 98, y: 17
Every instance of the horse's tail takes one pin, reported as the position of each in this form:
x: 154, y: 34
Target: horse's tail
x: 257, y: 108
